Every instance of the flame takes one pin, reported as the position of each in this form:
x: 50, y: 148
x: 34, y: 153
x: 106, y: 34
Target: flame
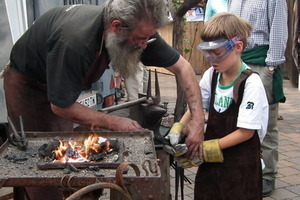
x: 91, y: 143
x: 76, y: 151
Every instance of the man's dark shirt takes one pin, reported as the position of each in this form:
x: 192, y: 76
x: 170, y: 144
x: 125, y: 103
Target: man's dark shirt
x: 60, y: 48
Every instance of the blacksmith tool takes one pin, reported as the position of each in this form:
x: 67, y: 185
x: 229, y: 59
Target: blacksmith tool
x: 18, y: 139
x: 156, y: 98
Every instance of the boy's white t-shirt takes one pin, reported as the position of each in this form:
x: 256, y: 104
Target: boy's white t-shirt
x: 254, y: 108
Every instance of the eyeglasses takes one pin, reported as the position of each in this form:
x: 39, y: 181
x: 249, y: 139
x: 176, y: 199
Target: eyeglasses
x: 141, y: 44
x: 138, y: 44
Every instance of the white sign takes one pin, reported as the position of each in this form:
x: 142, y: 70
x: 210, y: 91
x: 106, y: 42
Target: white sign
x: 195, y: 14
x: 88, y: 101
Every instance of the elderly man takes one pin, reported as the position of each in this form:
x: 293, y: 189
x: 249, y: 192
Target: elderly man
x: 68, y: 48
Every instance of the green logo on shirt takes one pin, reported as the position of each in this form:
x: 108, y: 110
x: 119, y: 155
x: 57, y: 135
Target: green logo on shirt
x: 223, y: 101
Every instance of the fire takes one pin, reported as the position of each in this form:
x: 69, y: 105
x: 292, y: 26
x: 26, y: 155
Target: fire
x: 78, y: 151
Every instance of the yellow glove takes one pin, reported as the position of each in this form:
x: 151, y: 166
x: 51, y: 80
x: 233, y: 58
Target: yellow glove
x: 212, y: 151
x: 186, y: 163
x: 174, y: 137
x: 174, y: 133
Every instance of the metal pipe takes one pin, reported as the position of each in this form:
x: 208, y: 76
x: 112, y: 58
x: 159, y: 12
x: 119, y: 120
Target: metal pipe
x: 124, y: 105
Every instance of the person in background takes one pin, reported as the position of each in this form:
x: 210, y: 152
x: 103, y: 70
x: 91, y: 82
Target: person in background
x: 264, y: 54
x: 68, y: 48
x: 136, y: 83
x: 213, y: 7
x: 238, y: 116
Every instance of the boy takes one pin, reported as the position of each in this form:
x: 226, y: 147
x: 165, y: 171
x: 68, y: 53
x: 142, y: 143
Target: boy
x: 238, y: 115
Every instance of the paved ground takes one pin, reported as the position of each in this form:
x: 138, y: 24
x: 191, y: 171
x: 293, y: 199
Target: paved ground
x: 288, y: 179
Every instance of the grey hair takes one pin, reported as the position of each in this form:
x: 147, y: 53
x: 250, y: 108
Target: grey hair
x: 131, y: 12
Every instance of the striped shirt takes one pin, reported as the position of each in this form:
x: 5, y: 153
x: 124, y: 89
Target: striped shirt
x: 269, y: 20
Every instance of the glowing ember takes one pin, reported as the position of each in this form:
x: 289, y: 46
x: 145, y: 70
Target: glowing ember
x: 91, y: 149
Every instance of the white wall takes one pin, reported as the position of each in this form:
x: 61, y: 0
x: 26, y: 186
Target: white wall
x: 17, y: 17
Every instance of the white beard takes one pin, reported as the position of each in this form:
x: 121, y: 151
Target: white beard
x: 124, y: 59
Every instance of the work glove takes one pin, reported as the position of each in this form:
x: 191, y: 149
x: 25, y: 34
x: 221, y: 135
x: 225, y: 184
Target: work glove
x: 211, y: 153
x: 174, y: 133
x: 186, y: 163
x: 176, y: 147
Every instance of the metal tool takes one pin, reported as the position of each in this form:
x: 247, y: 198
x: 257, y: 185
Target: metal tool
x: 18, y: 139
x: 124, y: 105
x: 156, y: 98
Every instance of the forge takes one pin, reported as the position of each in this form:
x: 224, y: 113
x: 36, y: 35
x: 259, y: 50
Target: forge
x: 81, y: 152
x: 135, y: 147
x: 137, y: 168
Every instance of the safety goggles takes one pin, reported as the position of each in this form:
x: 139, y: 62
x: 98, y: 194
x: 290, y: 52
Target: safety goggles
x: 218, y: 50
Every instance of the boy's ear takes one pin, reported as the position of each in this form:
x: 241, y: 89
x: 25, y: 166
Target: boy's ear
x: 239, y: 46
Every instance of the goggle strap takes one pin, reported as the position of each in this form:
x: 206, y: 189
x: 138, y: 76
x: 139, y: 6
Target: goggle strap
x: 231, y: 42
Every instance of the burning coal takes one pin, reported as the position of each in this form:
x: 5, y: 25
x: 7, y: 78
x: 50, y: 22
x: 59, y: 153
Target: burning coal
x: 94, y: 148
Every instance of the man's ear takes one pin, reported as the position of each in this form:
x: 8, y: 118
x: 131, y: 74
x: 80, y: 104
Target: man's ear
x: 115, y: 25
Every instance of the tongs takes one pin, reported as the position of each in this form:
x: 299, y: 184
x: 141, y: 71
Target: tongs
x: 18, y: 139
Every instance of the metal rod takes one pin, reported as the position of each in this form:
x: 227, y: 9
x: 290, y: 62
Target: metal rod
x: 15, y: 133
x: 97, y: 186
x: 22, y: 128
x: 124, y: 105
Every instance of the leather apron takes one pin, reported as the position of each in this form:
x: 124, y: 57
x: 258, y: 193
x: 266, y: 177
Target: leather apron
x: 28, y: 99
x: 240, y: 175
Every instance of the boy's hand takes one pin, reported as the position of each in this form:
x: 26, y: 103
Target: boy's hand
x: 175, y: 148
x: 184, y: 162
x: 174, y: 134
x: 212, y: 151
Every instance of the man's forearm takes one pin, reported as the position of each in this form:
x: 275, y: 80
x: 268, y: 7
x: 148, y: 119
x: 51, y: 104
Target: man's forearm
x: 194, y: 130
x: 192, y: 93
x: 81, y: 114
x: 187, y: 80
x: 86, y: 116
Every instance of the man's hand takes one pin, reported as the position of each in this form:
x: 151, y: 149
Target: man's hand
x: 116, y: 123
x: 194, y: 132
x: 271, y: 68
x: 125, y: 124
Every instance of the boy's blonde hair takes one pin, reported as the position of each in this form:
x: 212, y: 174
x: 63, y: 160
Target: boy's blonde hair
x: 226, y: 25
